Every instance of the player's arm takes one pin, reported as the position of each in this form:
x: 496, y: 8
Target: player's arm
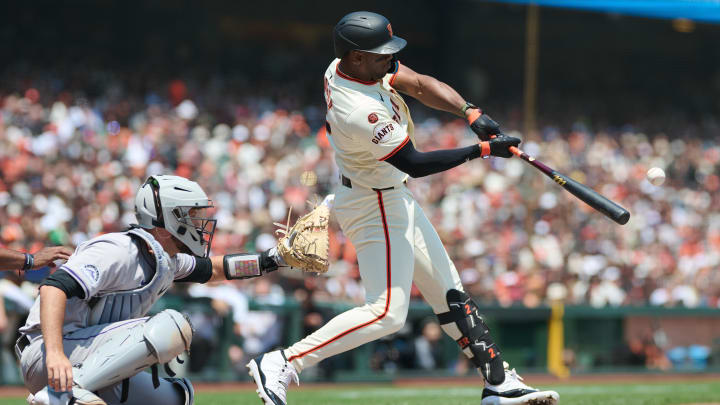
x: 55, y: 290
x: 428, y: 90
x: 13, y: 260
x: 244, y: 265
x: 233, y: 266
x: 52, y: 315
x: 419, y: 164
x: 440, y: 96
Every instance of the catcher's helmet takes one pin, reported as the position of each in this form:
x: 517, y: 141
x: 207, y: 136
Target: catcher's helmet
x: 365, y: 31
x: 170, y: 202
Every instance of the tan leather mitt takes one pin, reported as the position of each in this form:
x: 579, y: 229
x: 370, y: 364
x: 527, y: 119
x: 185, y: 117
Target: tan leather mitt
x: 305, y: 244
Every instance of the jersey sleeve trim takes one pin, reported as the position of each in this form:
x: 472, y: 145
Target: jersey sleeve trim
x: 79, y: 280
x: 397, y: 148
x: 395, y: 72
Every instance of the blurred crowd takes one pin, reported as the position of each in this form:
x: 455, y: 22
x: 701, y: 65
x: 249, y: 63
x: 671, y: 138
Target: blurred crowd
x: 71, y: 161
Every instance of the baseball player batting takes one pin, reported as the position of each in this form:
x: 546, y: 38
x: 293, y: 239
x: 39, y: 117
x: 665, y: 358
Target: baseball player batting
x: 370, y: 129
x: 87, y: 336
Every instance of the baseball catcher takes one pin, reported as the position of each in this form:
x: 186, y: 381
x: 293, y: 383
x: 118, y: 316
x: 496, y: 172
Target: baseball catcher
x: 88, y: 335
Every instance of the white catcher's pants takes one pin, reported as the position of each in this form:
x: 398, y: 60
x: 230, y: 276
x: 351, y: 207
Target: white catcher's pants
x: 78, y: 345
x: 396, y: 244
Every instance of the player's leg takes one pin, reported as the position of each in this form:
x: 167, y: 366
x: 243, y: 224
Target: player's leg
x: 105, y: 355
x: 378, y: 225
x: 438, y: 281
x: 140, y: 389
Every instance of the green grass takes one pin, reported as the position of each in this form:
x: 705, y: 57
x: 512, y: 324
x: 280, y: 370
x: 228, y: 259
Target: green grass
x: 663, y: 393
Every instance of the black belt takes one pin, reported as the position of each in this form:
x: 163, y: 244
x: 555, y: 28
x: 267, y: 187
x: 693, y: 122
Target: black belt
x: 347, y: 183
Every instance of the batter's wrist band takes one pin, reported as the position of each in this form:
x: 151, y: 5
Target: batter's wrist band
x: 241, y: 265
x: 467, y: 106
x: 485, y: 149
x: 473, y: 116
x: 29, y: 261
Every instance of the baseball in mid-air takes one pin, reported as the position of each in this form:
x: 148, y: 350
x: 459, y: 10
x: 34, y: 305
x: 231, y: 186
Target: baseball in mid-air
x: 656, y: 176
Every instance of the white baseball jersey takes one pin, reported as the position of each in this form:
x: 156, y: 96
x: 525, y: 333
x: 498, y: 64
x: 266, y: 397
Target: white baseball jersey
x: 110, y: 267
x: 367, y: 123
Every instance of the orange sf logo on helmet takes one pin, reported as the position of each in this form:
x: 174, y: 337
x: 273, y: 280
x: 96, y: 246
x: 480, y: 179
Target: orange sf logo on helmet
x: 390, y: 30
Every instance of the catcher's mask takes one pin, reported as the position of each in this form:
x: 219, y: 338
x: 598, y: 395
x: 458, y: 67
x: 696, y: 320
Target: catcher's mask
x: 179, y: 206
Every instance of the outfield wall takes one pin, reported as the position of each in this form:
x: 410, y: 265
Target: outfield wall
x: 595, y: 340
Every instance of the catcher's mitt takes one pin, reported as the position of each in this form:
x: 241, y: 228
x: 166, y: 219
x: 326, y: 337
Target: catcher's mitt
x: 305, y: 244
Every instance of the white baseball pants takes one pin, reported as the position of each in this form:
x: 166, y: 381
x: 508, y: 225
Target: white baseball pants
x: 396, y: 245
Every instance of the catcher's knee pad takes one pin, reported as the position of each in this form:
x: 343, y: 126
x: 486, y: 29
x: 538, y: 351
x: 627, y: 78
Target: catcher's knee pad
x: 474, y: 335
x: 158, y: 340
x: 169, y: 333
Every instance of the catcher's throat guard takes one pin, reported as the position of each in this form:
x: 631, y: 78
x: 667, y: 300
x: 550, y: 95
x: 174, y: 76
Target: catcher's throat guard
x: 464, y: 324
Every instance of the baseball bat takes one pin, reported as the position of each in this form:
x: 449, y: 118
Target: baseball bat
x: 579, y: 190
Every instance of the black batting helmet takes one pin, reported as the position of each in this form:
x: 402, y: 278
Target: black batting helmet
x: 365, y: 31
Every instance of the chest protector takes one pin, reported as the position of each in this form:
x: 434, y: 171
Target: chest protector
x: 129, y: 304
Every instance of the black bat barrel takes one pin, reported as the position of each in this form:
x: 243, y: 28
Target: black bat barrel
x: 592, y: 198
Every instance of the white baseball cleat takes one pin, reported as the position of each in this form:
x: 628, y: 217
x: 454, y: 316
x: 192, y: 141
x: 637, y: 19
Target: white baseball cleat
x: 272, y: 374
x: 513, y: 391
x: 78, y: 396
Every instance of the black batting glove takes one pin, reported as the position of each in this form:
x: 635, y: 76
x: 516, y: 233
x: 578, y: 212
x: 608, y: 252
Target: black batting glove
x: 499, y: 146
x: 483, y: 126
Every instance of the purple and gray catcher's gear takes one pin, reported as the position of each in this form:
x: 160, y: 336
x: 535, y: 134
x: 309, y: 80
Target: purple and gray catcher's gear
x: 77, y: 396
x: 140, y: 391
x: 464, y: 324
x: 130, y: 304
x: 167, y: 201
x: 162, y: 338
x: 365, y: 31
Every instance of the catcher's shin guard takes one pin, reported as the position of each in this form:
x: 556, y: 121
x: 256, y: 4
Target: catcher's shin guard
x: 464, y: 324
x: 161, y: 338
x: 185, y: 388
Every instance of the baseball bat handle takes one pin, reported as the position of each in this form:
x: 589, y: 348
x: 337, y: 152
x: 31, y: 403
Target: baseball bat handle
x: 579, y: 190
